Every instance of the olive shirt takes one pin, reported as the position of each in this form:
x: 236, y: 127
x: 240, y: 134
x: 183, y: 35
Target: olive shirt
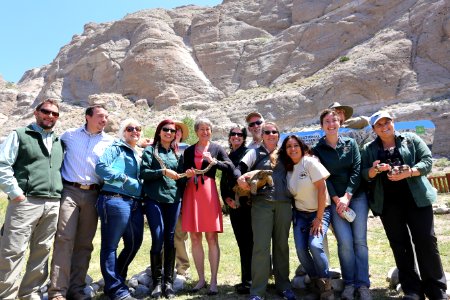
x: 414, y: 153
x: 157, y: 186
x: 343, y: 163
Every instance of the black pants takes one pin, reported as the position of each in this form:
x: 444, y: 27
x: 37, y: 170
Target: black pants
x: 399, y: 215
x: 241, y: 220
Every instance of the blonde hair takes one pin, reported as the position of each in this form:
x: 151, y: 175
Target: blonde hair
x: 124, y: 124
x: 274, y: 155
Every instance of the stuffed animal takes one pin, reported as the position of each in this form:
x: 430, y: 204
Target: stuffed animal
x: 256, y: 179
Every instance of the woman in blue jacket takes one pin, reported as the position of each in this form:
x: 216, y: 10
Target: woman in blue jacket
x: 120, y: 209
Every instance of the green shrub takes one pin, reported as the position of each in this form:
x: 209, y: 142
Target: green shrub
x: 343, y: 59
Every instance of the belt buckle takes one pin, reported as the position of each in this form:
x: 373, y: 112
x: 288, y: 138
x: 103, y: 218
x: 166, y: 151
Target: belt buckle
x: 85, y: 187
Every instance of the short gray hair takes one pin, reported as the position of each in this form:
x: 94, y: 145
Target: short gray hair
x: 202, y: 121
x: 124, y: 125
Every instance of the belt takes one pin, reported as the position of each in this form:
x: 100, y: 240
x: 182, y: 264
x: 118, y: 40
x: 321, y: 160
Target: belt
x: 117, y: 195
x: 87, y: 187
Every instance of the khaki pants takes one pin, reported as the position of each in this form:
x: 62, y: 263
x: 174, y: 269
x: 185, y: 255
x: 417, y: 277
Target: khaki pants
x: 271, y: 222
x: 72, y: 250
x: 30, y: 222
x: 182, y: 258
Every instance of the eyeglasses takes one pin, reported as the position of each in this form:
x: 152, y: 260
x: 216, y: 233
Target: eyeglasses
x: 49, y: 112
x: 131, y: 128
x: 165, y: 129
x: 259, y: 122
x: 239, y: 134
x: 270, y: 132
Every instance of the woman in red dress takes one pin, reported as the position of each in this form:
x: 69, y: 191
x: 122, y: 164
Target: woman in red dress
x: 201, y: 209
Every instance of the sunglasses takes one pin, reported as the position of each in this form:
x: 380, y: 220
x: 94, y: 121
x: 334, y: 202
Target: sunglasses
x: 270, y: 132
x: 259, y: 122
x: 131, y: 128
x: 49, y: 112
x: 239, y: 134
x: 165, y: 129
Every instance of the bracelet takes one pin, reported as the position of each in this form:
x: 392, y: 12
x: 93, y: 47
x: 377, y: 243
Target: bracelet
x: 410, y: 173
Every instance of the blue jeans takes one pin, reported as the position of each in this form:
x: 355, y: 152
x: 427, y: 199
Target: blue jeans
x: 352, y: 242
x: 310, y: 247
x: 120, y: 218
x: 162, y: 219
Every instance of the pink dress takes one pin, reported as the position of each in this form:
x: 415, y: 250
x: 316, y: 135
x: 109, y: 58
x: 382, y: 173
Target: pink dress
x: 201, y: 211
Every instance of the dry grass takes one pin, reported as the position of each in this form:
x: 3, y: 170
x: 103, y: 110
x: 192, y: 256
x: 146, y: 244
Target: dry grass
x: 381, y: 259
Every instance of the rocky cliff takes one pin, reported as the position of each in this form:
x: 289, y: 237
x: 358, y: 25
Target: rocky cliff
x: 287, y: 59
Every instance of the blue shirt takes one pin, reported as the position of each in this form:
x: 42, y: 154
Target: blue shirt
x: 82, y: 151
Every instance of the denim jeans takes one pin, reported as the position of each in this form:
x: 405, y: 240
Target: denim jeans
x: 352, y: 242
x: 162, y: 219
x: 310, y: 247
x: 120, y: 218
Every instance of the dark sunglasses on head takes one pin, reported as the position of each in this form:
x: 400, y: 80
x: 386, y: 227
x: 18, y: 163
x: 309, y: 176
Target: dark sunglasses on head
x: 259, y: 122
x: 131, y: 128
x: 239, y: 134
x: 49, y: 112
x: 270, y: 132
x: 165, y: 129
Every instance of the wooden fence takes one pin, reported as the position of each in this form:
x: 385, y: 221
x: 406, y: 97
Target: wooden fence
x: 441, y: 183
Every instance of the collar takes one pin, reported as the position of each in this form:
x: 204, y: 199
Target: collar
x: 84, y: 129
x: 39, y: 129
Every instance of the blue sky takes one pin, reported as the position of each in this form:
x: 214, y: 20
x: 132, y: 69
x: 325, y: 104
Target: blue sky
x: 33, y: 31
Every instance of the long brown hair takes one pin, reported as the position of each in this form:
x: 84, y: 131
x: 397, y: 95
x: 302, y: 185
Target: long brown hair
x: 284, y: 157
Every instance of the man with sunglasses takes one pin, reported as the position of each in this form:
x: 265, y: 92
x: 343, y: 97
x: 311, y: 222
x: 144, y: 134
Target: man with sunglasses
x: 30, y: 164
x: 255, y: 122
x: 77, y: 222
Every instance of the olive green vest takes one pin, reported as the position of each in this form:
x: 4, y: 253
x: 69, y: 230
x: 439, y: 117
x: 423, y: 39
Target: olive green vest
x: 37, y: 171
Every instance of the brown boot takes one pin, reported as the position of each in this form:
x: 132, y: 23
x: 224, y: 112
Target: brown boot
x: 325, y: 288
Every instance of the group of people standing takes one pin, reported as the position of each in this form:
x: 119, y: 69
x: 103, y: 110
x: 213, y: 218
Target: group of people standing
x: 59, y: 186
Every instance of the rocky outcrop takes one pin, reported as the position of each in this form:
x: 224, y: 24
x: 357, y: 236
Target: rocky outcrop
x: 287, y: 59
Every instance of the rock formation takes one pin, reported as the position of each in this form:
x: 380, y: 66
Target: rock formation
x: 287, y: 59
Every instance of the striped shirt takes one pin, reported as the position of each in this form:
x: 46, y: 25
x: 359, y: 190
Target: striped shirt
x: 82, y: 151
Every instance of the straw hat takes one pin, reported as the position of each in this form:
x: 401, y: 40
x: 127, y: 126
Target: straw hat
x: 184, y: 129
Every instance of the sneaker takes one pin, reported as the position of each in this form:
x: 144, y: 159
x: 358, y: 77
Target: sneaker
x: 364, y: 293
x: 288, y: 295
x: 254, y: 297
x: 348, y: 293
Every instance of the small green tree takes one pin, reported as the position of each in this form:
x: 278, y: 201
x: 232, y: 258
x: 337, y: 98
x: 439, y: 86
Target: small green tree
x: 192, y: 138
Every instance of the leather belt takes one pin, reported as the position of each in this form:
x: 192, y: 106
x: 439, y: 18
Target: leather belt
x: 87, y: 187
x: 117, y: 195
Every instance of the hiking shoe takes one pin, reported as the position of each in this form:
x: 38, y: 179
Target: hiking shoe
x: 364, y: 293
x: 288, y: 295
x: 254, y: 297
x: 348, y: 293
